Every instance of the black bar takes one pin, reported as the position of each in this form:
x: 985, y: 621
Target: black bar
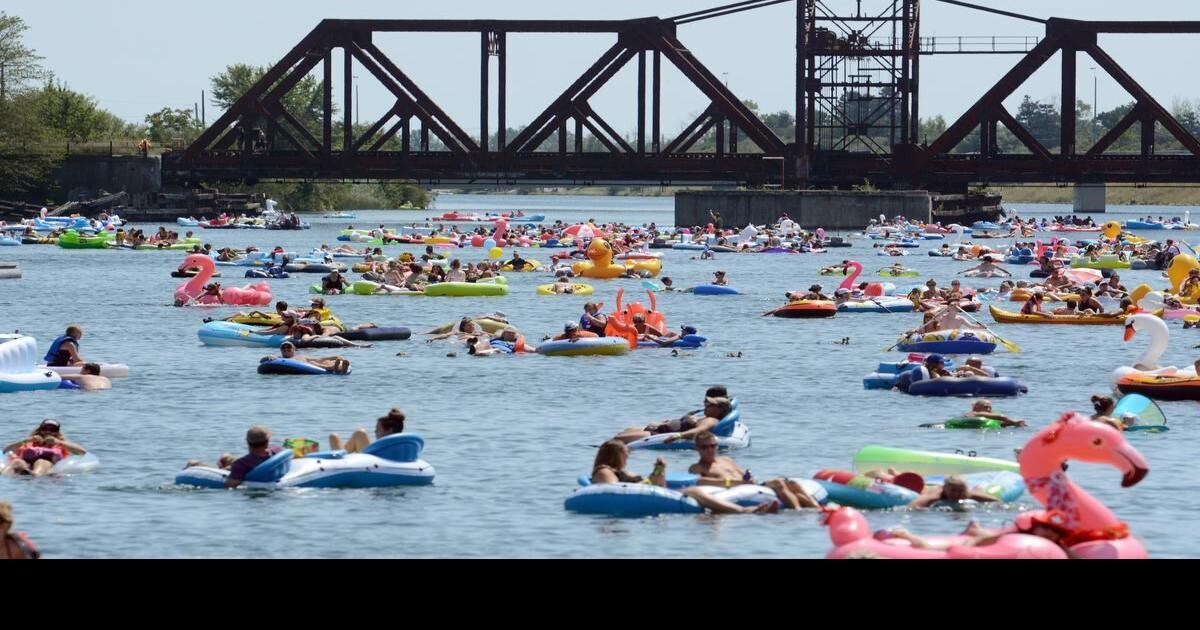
x: 1067, y: 112
x: 578, y: 134
x: 327, y: 123
x: 406, y: 129
x: 562, y: 136
x: 641, y: 103
x: 485, y: 72
x: 502, y: 105
x: 348, y: 102
x: 656, y: 123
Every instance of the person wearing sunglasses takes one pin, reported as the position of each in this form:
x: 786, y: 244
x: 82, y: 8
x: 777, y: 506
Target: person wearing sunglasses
x: 37, y: 454
x: 724, y: 472
x: 14, y: 545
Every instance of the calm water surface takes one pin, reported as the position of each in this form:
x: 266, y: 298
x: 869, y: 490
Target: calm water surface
x: 508, y: 435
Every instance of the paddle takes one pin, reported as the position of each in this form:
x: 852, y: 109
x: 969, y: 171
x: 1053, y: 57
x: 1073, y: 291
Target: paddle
x: 1008, y: 345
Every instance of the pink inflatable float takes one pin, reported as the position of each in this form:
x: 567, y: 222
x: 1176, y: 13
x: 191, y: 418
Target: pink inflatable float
x: 873, y: 289
x: 192, y: 292
x: 1089, y: 529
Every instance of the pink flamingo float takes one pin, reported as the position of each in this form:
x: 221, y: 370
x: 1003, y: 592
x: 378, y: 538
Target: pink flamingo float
x: 1094, y: 531
x: 874, y: 289
x: 192, y: 292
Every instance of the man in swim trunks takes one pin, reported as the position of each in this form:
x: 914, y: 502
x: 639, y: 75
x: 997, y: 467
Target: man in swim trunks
x: 258, y: 441
x: 724, y: 472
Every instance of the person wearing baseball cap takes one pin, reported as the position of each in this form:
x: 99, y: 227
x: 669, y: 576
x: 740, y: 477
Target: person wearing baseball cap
x: 258, y: 440
x: 37, y: 454
x: 935, y: 366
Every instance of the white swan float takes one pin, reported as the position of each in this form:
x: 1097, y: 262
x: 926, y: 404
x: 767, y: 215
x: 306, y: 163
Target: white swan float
x: 1147, y: 363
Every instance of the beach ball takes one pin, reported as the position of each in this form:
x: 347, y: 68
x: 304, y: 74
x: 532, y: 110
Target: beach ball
x: 495, y: 253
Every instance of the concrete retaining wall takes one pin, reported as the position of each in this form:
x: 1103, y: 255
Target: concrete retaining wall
x: 832, y: 210
x: 84, y: 176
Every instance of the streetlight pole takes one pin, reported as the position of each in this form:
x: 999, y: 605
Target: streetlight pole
x: 1095, y: 102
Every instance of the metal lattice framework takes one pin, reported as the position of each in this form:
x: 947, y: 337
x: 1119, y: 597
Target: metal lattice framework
x: 857, y: 79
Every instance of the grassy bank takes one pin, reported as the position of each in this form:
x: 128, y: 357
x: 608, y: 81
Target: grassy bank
x: 1117, y: 195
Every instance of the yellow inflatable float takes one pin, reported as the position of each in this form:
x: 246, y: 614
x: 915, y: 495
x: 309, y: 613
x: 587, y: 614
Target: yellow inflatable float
x: 1178, y: 272
x: 600, y: 253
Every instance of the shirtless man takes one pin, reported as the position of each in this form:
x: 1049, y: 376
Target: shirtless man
x: 89, y: 378
x: 724, y: 472
x: 954, y: 489
x: 686, y: 424
x: 337, y: 365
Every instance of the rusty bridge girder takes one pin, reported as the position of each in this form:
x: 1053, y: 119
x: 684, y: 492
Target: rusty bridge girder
x: 550, y: 149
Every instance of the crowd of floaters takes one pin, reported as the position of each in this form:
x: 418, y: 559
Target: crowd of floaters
x: 1069, y: 283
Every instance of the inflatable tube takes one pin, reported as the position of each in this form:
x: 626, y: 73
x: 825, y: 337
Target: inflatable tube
x: 687, y: 341
x: 591, y: 346
x: 292, y: 367
x: 397, y: 333
x: 927, y: 463
x: 108, y: 370
x: 730, y: 432
x: 230, y: 335
x: 578, y: 289
x: 1109, y: 261
x: 878, y: 305
x: 634, y: 500
x: 807, y: 309
x: 972, y: 386
x: 393, y: 460
x: 690, y: 247
x: 8, y: 241
x: 466, y: 289
x: 950, y: 342
x: 969, y: 424
x: 712, y: 289
x: 868, y: 494
x: 71, y: 465
x: 1161, y: 387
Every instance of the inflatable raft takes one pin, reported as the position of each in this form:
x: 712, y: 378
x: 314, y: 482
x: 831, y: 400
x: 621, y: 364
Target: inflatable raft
x: 927, y: 463
x: 394, y: 460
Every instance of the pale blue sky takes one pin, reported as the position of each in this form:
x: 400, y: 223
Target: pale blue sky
x: 137, y: 56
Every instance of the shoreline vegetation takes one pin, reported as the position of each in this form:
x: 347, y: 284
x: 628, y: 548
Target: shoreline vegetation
x: 1116, y: 195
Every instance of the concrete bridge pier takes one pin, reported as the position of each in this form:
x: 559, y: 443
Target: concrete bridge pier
x: 1090, y: 198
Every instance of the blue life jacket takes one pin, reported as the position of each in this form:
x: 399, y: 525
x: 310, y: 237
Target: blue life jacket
x: 52, y: 353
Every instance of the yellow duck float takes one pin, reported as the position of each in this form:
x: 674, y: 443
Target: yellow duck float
x: 600, y: 253
x: 1178, y: 272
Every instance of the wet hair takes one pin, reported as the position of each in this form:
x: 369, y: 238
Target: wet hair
x: 393, y: 421
x: 73, y: 330
x: 91, y: 369
x: 716, y: 391
x: 610, y: 454
x: 705, y: 436
x: 1102, y: 403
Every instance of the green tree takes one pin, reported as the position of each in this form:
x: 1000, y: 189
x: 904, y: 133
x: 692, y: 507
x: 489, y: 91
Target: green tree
x: 167, y: 124
x: 19, y: 64
x: 1042, y: 120
x: 70, y: 115
x: 401, y: 195
x: 305, y: 101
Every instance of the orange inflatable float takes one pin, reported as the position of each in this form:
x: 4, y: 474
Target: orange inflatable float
x: 620, y: 322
